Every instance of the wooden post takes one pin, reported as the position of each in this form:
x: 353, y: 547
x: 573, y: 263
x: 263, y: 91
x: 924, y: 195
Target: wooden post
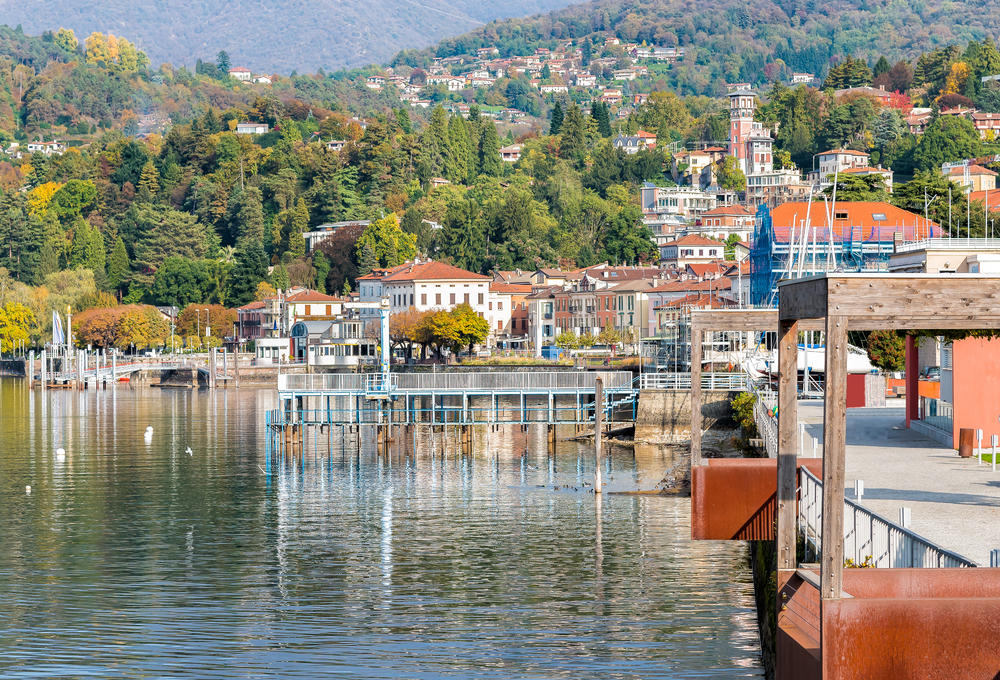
x: 912, y: 395
x: 114, y: 366
x: 788, y: 346
x: 598, y: 426
x: 211, y: 368
x: 236, y: 366
x: 225, y: 368
x: 834, y: 426
x: 30, y: 372
x: 697, y: 337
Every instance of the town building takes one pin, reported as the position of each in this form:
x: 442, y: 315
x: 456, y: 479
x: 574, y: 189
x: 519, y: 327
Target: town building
x: 801, y: 239
x: 252, y: 128
x: 324, y: 231
x: 510, y: 154
x: 241, y: 74
x: 987, y: 125
x: 687, y: 202
x: 722, y: 222
x: 829, y: 163
x: 971, y: 177
x: 632, y: 144
x: 46, y: 148
x: 691, y: 249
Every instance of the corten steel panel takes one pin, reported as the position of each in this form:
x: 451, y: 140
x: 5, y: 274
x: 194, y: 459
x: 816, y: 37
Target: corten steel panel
x: 797, y: 644
x: 855, y: 390
x: 734, y: 499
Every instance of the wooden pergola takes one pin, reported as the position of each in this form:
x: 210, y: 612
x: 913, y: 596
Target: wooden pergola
x: 857, y: 302
x: 889, y: 622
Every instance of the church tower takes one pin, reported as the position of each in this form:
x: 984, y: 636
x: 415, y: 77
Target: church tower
x: 741, y: 110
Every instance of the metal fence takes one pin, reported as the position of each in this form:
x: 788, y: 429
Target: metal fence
x: 767, y: 424
x: 480, y: 381
x: 682, y: 381
x: 869, y: 538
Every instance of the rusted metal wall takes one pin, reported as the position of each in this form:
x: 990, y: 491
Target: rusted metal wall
x: 734, y: 499
x: 893, y: 623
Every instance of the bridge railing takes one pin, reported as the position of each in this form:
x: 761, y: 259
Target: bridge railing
x: 682, y: 381
x: 484, y: 381
x: 869, y: 538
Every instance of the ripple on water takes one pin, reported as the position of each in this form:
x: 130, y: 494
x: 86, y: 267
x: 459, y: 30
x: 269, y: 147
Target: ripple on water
x: 136, y: 560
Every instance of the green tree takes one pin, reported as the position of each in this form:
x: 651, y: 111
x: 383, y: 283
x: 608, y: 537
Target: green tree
x: 118, y: 267
x: 87, y: 250
x: 179, y: 282
x: 886, y: 350
x: 730, y: 176
x: 602, y: 116
x: 572, y: 134
x: 555, y: 119
x: 66, y: 39
x: 854, y: 188
x: 322, y: 265
x: 567, y: 340
x: 250, y: 269
x: 490, y: 163
x: 390, y: 244
x: 947, y: 138
x: 164, y: 232
x: 470, y: 328
x: 850, y: 72
x: 223, y: 63
x: 149, y: 182
x: 17, y: 322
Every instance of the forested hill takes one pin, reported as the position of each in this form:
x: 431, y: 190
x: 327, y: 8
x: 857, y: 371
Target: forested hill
x: 270, y: 35
x: 745, y: 40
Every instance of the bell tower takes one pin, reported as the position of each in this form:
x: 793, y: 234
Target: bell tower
x: 741, y: 110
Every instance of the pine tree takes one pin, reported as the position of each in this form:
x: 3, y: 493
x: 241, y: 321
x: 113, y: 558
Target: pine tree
x: 149, y: 182
x: 297, y: 224
x: 556, y: 119
x: 366, y: 259
x: 602, y: 116
x: 118, y: 269
x: 881, y: 66
x: 250, y: 269
x: 489, y: 151
x: 572, y: 131
x: 321, y: 263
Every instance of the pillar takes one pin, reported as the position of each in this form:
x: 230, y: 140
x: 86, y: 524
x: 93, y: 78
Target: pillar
x: 598, y: 427
x: 834, y: 427
x: 697, y: 338
x: 788, y: 346
x: 912, y: 367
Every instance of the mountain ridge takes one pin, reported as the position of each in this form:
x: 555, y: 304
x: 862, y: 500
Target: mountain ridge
x: 310, y: 36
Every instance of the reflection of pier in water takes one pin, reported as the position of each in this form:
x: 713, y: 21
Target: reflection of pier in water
x: 389, y: 408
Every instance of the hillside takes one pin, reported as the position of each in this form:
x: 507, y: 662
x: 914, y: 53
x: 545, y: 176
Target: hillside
x: 746, y: 40
x: 277, y: 35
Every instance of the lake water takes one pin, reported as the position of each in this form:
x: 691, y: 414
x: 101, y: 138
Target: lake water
x: 129, y: 559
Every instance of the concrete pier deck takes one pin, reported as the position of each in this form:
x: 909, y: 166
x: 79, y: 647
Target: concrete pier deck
x: 954, y: 502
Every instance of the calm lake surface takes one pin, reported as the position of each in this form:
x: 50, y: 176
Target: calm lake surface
x: 129, y: 559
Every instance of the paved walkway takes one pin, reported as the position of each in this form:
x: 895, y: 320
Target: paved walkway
x: 954, y: 502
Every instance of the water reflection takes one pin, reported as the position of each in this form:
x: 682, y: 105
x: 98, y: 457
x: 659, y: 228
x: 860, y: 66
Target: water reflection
x: 133, y: 560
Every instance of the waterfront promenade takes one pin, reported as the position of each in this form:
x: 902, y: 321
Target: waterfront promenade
x: 954, y: 502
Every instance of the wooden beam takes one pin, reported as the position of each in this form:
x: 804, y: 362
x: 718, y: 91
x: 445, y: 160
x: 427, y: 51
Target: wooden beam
x: 803, y: 298
x: 697, y: 337
x: 834, y: 454
x: 788, y: 347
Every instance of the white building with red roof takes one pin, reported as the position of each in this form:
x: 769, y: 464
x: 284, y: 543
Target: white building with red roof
x: 426, y: 285
x: 691, y: 249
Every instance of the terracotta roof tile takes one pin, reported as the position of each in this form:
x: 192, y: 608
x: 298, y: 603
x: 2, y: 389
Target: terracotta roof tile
x: 432, y: 271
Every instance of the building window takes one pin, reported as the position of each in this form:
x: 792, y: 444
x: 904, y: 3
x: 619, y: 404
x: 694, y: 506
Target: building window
x: 452, y: 298
x: 437, y: 298
x: 411, y: 299
x: 308, y: 310
x: 423, y: 299
x: 480, y: 298
x: 466, y: 298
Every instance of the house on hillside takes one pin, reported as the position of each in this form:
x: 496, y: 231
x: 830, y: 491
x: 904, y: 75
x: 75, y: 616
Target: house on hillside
x: 241, y: 74
x: 252, y: 128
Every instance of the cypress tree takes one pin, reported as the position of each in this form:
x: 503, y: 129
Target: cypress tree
x: 118, y: 265
x: 489, y: 151
x: 556, y: 119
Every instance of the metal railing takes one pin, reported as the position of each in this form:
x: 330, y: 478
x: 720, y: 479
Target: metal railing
x: 767, y: 424
x: 869, y: 538
x: 485, y: 381
x: 949, y: 244
x: 682, y: 381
